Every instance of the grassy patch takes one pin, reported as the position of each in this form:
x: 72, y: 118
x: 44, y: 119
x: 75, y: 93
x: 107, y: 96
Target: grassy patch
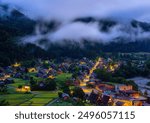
x: 62, y: 78
x: 33, y: 75
x: 38, y: 98
x: 12, y: 87
x: 16, y: 99
x: 42, y: 98
x: 18, y: 82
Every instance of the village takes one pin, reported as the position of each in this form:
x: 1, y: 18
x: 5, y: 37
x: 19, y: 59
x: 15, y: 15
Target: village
x: 67, y: 82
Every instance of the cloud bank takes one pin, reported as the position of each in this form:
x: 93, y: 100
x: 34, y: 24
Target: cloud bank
x: 65, y: 11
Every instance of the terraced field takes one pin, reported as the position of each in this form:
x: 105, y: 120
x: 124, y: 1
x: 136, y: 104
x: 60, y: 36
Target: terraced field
x: 41, y: 98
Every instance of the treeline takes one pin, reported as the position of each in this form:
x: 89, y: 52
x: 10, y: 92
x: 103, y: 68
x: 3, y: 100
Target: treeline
x: 17, y: 25
x: 129, y: 70
x: 106, y: 76
x: 123, y: 46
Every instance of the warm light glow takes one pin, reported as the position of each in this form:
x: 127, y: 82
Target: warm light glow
x: 24, y: 89
x: 87, y: 90
x: 82, y: 63
x: 16, y: 65
x: 51, y: 77
x: 126, y: 102
x: 5, y: 77
x: 30, y: 70
x: 87, y: 77
x: 82, y: 84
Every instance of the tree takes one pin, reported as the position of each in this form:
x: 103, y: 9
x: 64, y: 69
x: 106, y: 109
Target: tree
x: 66, y: 89
x: 79, y: 93
x: 50, y: 84
x: 103, y: 74
x: 60, y: 94
x: 29, y: 63
x: 33, y: 84
x: 135, y: 86
x: 19, y: 86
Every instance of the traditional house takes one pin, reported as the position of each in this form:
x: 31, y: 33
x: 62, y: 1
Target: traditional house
x: 105, y: 99
x: 138, y: 101
x: 51, y: 77
x: 130, y: 93
x: 31, y: 70
x: 65, y: 96
x: 121, y: 87
x: 119, y: 103
x: 130, y: 101
x: 16, y: 65
x: 122, y: 101
x: 24, y: 89
x: 106, y: 87
x: 93, y: 97
x: 9, y: 80
x: 2, y: 84
x: 17, y: 75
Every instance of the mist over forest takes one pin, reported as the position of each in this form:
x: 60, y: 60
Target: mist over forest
x: 71, y: 28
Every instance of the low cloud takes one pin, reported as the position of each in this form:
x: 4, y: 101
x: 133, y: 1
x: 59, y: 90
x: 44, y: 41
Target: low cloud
x: 65, y: 11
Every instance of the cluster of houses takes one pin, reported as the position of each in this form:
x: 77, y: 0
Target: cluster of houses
x: 99, y: 93
x: 104, y: 93
x: 117, y: 95
x: 45, y: 69
x: 136, y: 59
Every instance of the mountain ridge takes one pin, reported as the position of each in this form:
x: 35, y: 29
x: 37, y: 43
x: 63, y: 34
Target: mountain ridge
x: 16, y: 24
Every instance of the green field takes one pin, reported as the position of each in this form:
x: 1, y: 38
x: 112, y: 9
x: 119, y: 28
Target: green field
x: 41, y: 98
x: 17, y: 82
x: 16, y: 99
x: 62, y: 78
x: 35, y: 98
x: 33, y: 74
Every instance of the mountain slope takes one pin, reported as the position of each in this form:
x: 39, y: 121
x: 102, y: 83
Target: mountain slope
x: 13, y: 24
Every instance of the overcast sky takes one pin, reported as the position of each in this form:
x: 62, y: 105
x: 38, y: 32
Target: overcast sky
x: 67, y: 10
x: 70, y: 9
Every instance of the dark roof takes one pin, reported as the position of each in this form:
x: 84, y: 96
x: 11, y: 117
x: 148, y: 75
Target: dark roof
x: 93, y: 97
x: 105, y: 99
x: 65, y: 95
x: 119, y: 103
x: 129, y: 92
x: 2, y: 83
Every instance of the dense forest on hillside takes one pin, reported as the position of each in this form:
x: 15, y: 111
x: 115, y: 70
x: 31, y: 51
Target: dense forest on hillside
x: 17, y: 25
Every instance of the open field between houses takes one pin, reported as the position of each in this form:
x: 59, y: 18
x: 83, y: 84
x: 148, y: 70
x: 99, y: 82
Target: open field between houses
x: 38, y: 99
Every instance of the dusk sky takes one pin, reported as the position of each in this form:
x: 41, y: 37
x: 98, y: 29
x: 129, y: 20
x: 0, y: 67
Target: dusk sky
x: 69, y: 9
x: 65, y: 11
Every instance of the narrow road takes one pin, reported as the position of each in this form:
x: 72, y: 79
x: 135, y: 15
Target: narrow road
x: 87, y: 78
x: 83, y: 84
